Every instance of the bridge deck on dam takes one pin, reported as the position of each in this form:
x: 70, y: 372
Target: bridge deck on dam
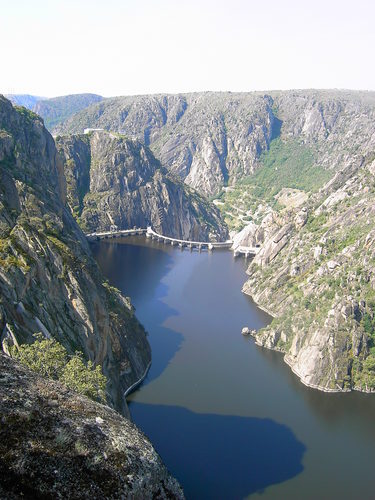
x: 150, y: 233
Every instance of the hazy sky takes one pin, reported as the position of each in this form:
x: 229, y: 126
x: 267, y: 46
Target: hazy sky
x: 121, y: 47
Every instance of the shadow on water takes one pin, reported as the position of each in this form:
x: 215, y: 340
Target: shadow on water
x: 164, y: 342
x: 332, y: 407
x: 221, y: 457
x: 152, y: 264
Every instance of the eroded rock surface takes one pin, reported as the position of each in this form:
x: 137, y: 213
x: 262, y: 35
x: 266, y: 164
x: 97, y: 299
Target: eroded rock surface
x: 315, y: 274
x: 55, y: 443
x: 49, y: 281
x: 115, y: 180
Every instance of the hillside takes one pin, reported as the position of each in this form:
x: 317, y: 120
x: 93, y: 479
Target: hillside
x: 214, y: 139
x: 26, y: 100
x: 205, y: 138
x: 115, y: 180
x: 57, y: 109
x: 314, y: 273
x: 49, y: 281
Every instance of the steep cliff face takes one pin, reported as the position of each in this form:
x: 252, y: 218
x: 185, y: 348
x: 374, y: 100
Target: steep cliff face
x: 49, y: 282
x: 55, y: 443
x: 211, y: 139
x: 337, y: 124
x: 315, y: 274
x: 115, y: 180
x: 205, y: 138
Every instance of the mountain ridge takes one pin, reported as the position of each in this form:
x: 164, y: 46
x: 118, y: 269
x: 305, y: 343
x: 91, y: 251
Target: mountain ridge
x: 211, y: 139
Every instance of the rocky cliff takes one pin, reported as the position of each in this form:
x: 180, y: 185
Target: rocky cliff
x: 213, y: 139
x: 315, y: 273
x: 55, y: 443
x: 115, y: 180
x: 205, y: 138
x: 49, y: 282
x: 316, y: 260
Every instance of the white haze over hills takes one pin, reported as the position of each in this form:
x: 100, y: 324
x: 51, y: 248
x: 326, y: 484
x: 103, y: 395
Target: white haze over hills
x: 130, y: 47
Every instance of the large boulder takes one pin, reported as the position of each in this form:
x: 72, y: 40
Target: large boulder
x: 55, y: 443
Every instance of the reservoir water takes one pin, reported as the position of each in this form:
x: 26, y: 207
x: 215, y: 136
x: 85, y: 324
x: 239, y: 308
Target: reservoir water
x: 229, y: 418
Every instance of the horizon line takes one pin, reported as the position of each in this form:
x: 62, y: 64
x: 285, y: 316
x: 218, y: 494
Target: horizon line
x: 295, y: 89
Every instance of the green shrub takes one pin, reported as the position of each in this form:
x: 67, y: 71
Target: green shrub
x: 45, y: 356
x: 84, y: 379
x: 369, y: 372
x: 50, y: 359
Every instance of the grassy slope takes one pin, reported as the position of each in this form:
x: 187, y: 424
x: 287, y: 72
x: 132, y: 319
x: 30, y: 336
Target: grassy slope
x: 287, y: 164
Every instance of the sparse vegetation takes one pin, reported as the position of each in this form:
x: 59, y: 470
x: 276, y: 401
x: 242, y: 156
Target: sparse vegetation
x: 287, y: 164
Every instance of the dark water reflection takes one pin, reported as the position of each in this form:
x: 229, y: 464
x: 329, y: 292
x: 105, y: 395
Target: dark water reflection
x: 229, y: 418
x: 220, y: 456
x: 332, y: 407
x: 145, y: 267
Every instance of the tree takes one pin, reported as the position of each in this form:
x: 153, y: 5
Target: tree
x: 44, y: 356
x: 50, y: 359
x: 84, y: 379
x: 369, y: 372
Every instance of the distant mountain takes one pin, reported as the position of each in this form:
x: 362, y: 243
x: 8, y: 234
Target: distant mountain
x: 214, y: 139
x: 26, y: 100
x: 54, y: 111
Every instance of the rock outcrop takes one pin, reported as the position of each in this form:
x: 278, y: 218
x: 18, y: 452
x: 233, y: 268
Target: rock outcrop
x: 115, y: 180
x: 316, y: 278
x: 49, y: 281
x: 55, y: 443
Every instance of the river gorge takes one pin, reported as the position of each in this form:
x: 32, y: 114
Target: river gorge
x: 229, y: 418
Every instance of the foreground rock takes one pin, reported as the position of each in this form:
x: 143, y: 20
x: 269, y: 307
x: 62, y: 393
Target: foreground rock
x: 55, y: 443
